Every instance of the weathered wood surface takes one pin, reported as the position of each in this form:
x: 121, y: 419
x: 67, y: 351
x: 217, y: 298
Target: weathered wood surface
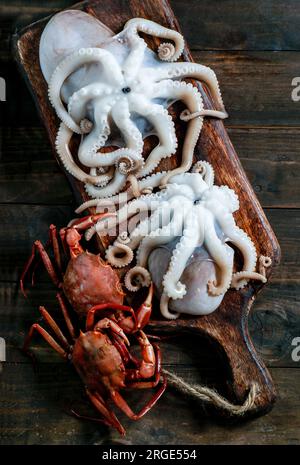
x: 33, y: 413
x: 207, y: 24
x: 272, y: 72
x: 270, y: 156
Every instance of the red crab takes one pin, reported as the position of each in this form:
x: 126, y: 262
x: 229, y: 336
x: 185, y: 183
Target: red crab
x: 88, y: 280
x: 101, y: 357
x: 100, y: 354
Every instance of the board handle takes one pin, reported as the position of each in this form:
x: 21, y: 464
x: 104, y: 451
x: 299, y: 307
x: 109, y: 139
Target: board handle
x: 227, y: 331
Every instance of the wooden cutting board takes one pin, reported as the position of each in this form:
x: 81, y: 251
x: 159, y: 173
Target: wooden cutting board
x: 227, y: 327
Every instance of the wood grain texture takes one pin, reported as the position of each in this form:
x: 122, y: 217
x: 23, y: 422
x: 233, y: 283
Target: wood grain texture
x: 242, y: 75
x: 270, y: 157
x: 246, y: 25
x: 273, y: 324
x: 17, y: 225
x: 228, y: 326
x: 26, y: 420
x: 206, y: 24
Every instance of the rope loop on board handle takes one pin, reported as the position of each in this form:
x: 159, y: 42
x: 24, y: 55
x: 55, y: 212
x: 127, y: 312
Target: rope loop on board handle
x: 206, y: 394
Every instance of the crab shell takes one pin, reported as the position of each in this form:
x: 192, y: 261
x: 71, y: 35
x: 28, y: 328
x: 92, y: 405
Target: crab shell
x: 89, y: 281
x: 95, y: 354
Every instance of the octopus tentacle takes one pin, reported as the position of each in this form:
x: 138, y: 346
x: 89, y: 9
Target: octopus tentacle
x: 223, y: 213
x: 165, y: 128
x: 149, y: 27
x: 136, y: 278
x: 192, y: 98
x: 102, y: 204
x: 206, y: 170
x: 160, y: 236
x: 164, y: 308
x: 186, y: 115
x: 88, y: 153
x: 196, y: 71
x: 78, y: 101
x: 150, y: 181
x: 127, y: 160
x: 218, y: 252
x: 136, y: 55
x: 68, y: 66
x: 239, y: 278
x: 107, y: 190
x: 132, y: 135
x: 158, y: 218
x: 119, y: 255
x: 264, y: 263
x: 143, y: 204
x: 86, y: 126
x: 134, y: 184
x: 108, y: 174
x: 63, y: 138
x: 118, y: 199
x: 243, y: 242
x: 183, y: 250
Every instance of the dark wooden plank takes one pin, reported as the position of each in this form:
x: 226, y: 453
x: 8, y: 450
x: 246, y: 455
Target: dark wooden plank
x: 17, y: 14
x: 240, y: 25
x: 242, y: 76
x: 24, y: 144
x: 274, y: 323
x: 256, y: 86
x: 19, y: 108
x: 207, y: 25
x: 33, y: 409
x: 34, y: 182
x: 21, y: 226
x: 270, y: 157
x: 28, y: 172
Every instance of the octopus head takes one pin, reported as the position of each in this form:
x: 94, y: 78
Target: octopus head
x: 192, y: 184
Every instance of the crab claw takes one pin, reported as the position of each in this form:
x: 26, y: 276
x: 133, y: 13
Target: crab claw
x: 106, y: 323
x: 144, y: 311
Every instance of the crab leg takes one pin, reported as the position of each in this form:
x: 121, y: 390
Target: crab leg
x: 104, y: 421
x: 144, y: 311
x: 141, y: 315
x: 100, y: 405
x: 53, y: 325
x: 106, y: 323
x: 122, y: 348
x: 137, y: 320
x: 90, y: 319
x: 66, y: 315
x: 122, y: 404
x: 38, y: 246
x: 53, y: 240
x: 55, y: 245
x: 81, y: 224
x: 49, y: 339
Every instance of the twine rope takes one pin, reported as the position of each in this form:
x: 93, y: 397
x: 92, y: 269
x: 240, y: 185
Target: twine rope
x: 206, y: 394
